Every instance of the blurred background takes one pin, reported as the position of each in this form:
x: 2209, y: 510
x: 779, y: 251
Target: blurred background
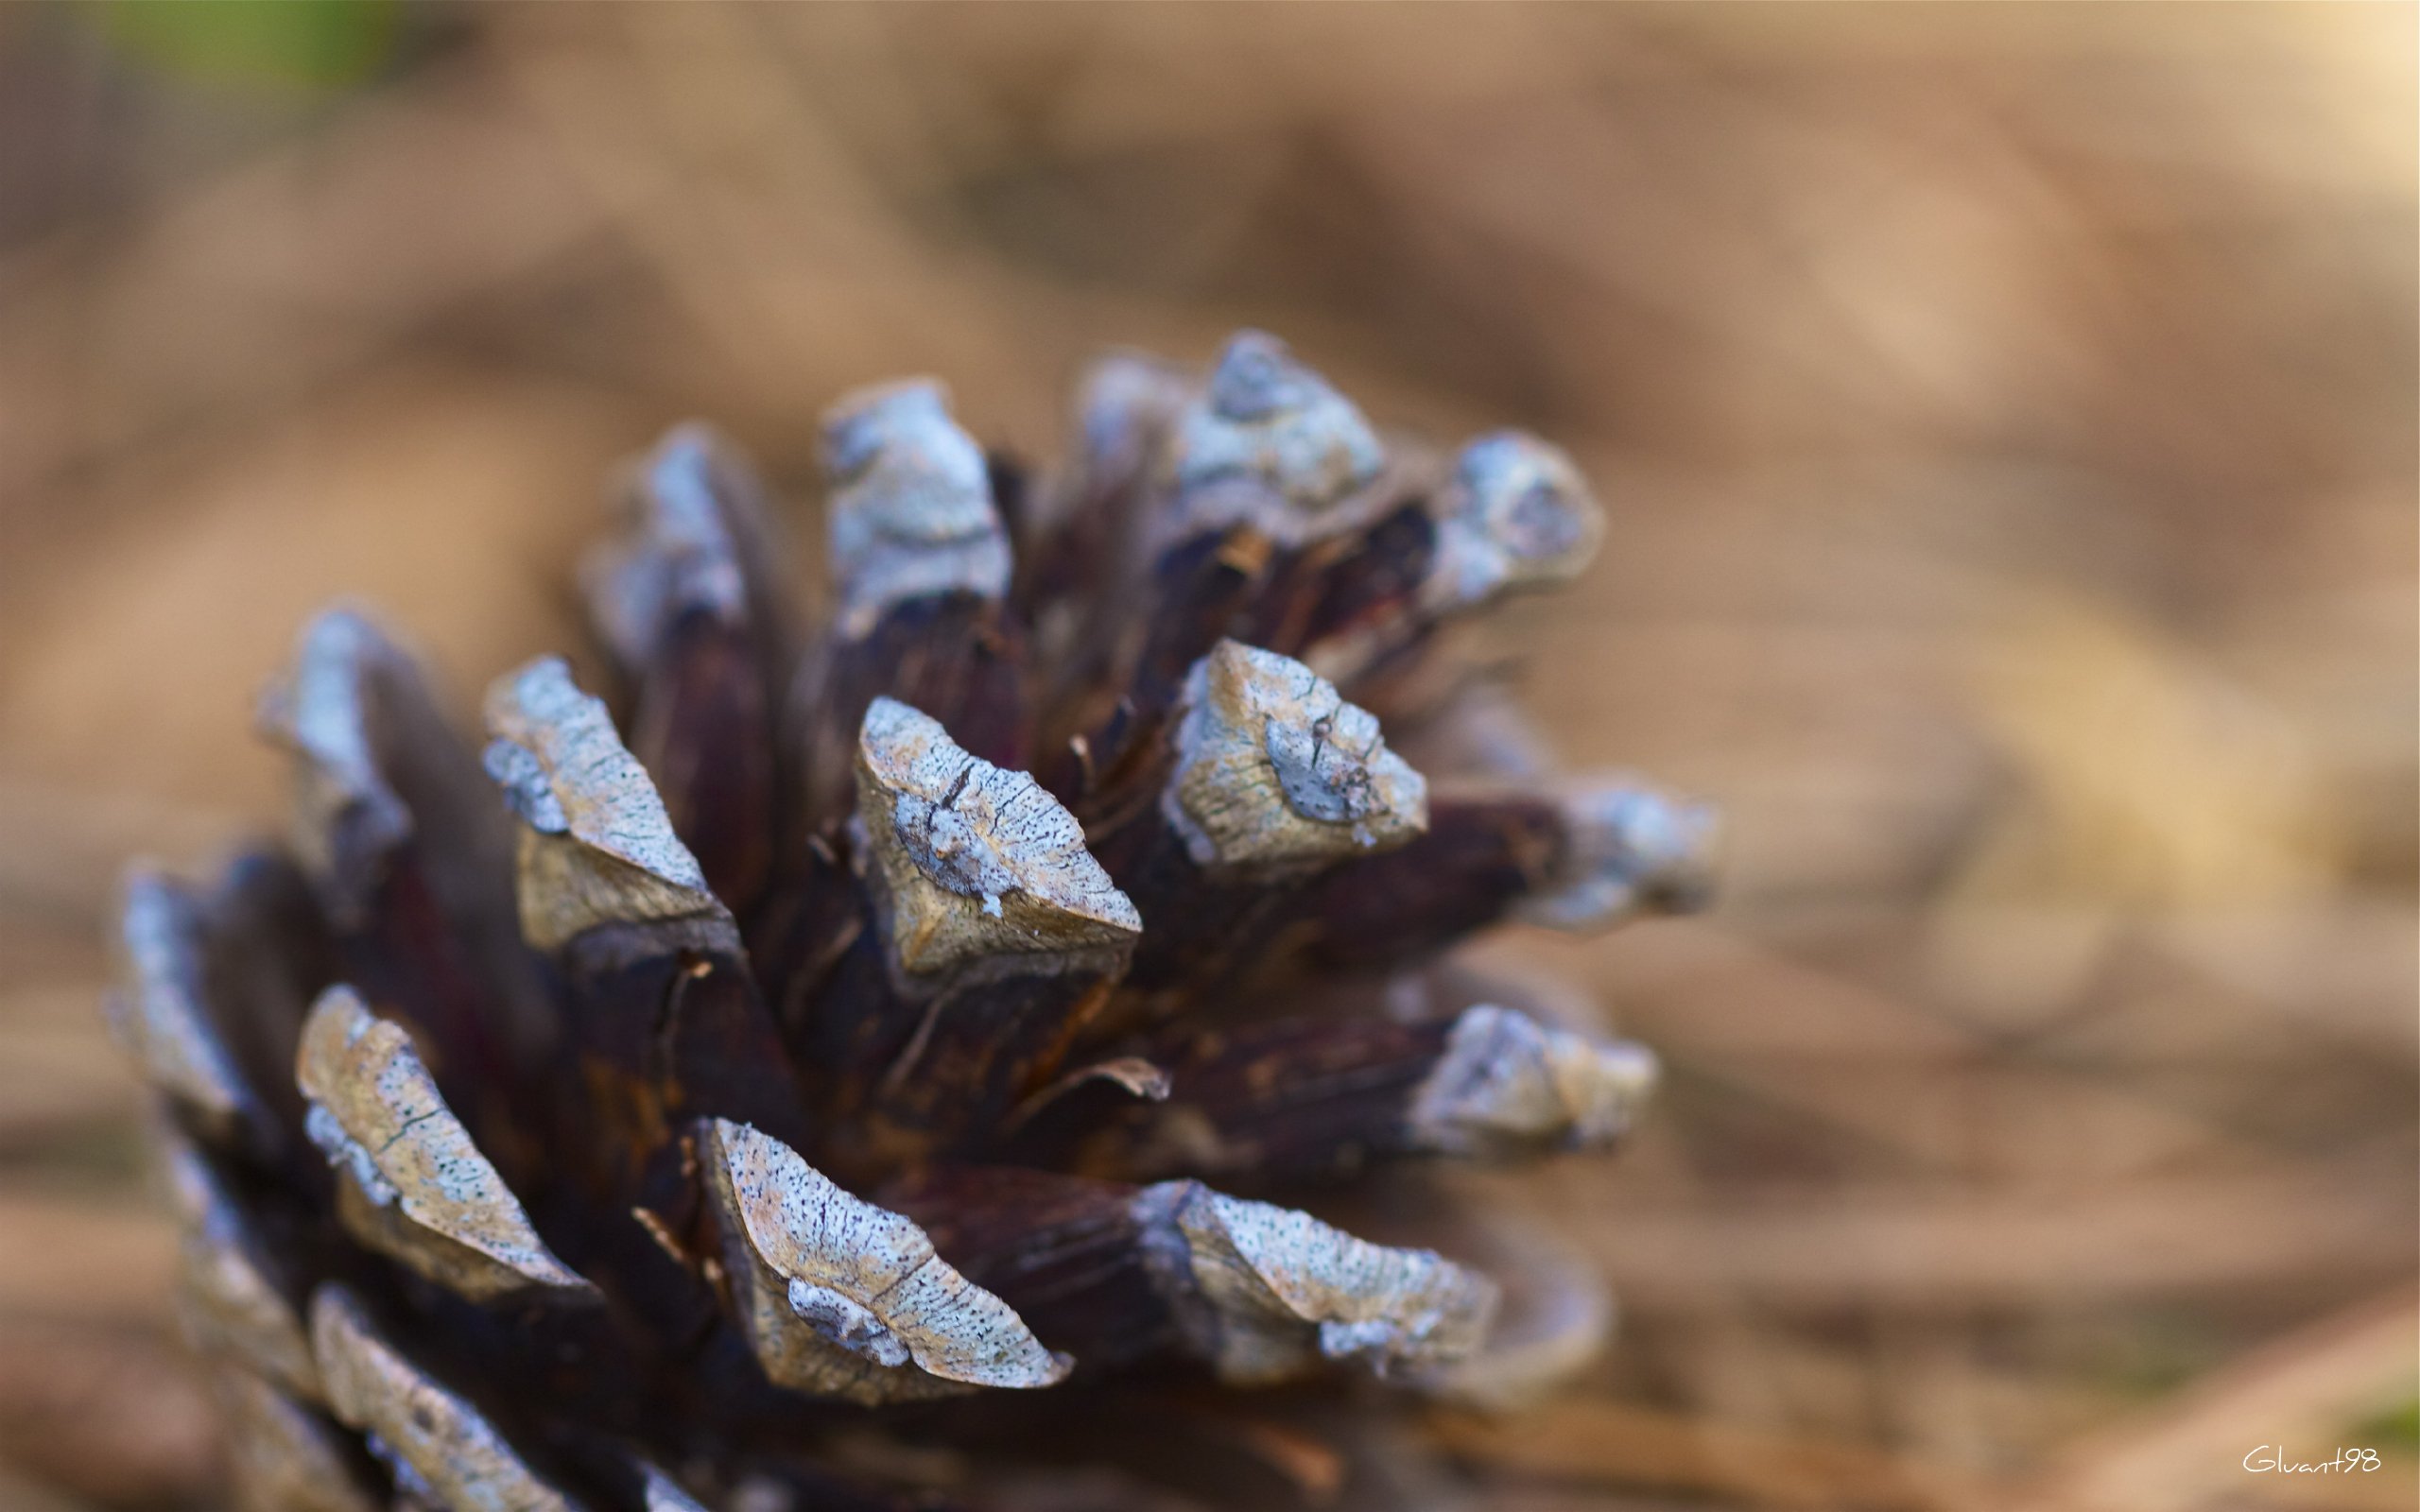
x: 2007, y: 415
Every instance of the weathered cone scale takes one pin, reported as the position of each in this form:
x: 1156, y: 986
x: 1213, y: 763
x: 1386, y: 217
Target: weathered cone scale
x: 688, y: 605
x: 889, y: 1062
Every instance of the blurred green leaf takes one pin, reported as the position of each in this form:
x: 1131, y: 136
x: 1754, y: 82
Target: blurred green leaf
x: 2397, y: 1428
x: 308, y: 44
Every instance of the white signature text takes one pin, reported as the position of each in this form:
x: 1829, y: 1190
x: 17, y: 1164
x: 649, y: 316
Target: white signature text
x: 2272, y: 1459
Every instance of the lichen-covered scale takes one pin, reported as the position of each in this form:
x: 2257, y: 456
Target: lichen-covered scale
x: 1277, y: 772
x: 1631, y: 846
x: 158, y: 1016
x: 679, y: 555
x: 596, y: 845
x: 1509, y: 1085
x: 910, y: 508
x: 433, y: 1439
x: 842, y: 1299
x: 978, y: 860
x: 1516, y: 514
x: 412, y: 1182
x: 1269, y: 444
x: 1266, y: 1291
x: 328, y: 710
x: 229, y: 1305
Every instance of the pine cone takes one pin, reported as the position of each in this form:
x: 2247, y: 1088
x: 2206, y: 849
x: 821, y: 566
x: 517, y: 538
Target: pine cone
x: 875, y: 1068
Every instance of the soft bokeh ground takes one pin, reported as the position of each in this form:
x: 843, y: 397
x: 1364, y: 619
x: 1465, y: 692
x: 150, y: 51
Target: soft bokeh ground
x: 2008, y: 416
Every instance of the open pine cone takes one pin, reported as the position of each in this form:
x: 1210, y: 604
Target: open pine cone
x: 871, y: 1069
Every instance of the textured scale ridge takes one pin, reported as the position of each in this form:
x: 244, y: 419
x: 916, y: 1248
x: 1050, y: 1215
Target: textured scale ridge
x: 1274, y: 767
x: 979, y: 832
x: 914, y: 1059
x: 596, y: 843
x: 412, y: 1182
x: 874, y: 1314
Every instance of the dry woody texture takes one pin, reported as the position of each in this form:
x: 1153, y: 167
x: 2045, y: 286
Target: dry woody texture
x: 598, y: 1171
x: 2004, y: 424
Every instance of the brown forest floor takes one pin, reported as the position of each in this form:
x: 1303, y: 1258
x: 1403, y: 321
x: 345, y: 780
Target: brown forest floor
x: 2008, y: 416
